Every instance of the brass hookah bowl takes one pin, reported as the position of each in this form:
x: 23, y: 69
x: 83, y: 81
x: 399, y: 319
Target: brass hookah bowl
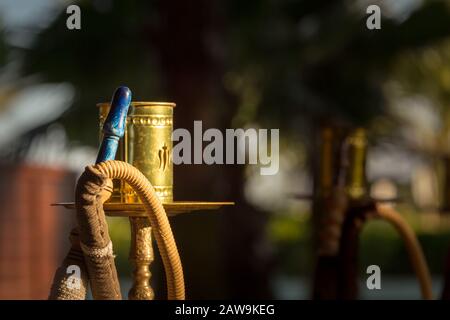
x: 147, y: 145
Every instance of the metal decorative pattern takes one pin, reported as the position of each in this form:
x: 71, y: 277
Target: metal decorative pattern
x: 141, y: 256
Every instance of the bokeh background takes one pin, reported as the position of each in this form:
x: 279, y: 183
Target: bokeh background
x: 287, y: 64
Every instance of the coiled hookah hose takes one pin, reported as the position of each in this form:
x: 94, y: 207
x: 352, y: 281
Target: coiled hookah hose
x: 91, y: 247
x: 113, y: 169
x: 412, y: 245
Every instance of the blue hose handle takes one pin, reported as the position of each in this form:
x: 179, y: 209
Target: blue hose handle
x: 114, y: 126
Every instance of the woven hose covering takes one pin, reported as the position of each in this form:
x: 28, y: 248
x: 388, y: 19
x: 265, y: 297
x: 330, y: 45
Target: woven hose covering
x: 95, y: 242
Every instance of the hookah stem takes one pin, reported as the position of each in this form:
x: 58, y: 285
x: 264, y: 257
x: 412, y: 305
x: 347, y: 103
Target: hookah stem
x: 114, y: 127
x: 355, y: 218
x: 328, y: 208
x: 353, y: 182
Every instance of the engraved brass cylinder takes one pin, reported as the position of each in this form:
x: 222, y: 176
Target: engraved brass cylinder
x: 147, y: 145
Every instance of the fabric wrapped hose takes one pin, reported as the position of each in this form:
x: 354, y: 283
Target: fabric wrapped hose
x: 93, y: 188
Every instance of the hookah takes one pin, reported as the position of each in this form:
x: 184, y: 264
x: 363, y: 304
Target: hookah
x: 142, y: 191
x: 344, y: 207
x: 360, y: 209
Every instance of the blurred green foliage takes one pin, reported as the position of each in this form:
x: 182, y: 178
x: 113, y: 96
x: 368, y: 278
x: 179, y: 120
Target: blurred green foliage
x: 119, y: 231
x: 291, y: 234
x: 380, y: 244
x: 317, y: 59
x: 111, y: 49
x: 282, y: 60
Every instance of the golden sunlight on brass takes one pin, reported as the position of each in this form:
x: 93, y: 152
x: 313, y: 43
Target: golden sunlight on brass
x: 147, y: 145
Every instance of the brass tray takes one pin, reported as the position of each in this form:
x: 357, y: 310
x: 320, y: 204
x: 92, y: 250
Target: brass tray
x: 137, y: 209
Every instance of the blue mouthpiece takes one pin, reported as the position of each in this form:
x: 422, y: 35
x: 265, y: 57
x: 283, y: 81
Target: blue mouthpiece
x: 114, y: 126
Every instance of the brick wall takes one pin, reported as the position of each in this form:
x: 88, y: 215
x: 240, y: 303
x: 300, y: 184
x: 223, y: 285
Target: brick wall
x: 33, y: 234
